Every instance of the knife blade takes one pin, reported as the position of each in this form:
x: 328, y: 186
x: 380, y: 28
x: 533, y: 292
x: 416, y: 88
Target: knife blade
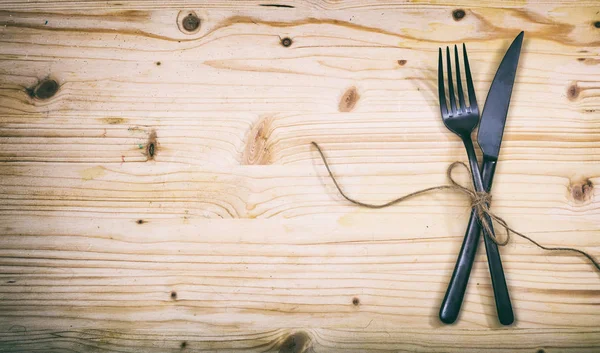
x: 490, y: 134
x: 495, y: 110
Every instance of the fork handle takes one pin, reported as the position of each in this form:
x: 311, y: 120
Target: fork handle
x: 464, y: 263
x: 460, y: 277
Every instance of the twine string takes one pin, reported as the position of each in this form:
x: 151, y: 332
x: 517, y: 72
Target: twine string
x: 480, y: 201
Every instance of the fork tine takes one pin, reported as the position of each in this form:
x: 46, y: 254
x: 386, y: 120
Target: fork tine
x: 472, y: 98
x: 461, y: 95
x: 441, y: 88
x: 450, y: 84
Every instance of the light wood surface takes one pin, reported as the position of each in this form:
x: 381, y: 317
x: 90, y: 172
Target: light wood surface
x: 167, y: 198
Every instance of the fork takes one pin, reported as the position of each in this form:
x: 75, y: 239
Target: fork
x: 462, y: 120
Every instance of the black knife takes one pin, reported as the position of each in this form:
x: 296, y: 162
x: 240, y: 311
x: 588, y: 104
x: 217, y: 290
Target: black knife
x: 491, y: 129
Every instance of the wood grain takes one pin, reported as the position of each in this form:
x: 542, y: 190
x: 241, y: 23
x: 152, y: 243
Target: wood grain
x: 163, y: 196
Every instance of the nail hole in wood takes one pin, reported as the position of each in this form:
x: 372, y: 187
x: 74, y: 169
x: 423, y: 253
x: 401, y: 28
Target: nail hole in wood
x: 140, y: 221
x: 597, y: 24
x: 458, y: 14
x: 286, y: 42
x: 355, y: 301
x: 158, y: 63
x: 183, y: 344
x: 401, y: 62
x: 191, y: 22
x: 173, y: 295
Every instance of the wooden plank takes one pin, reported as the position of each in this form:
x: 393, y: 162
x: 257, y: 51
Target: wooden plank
x: 297, y: 340
x: 167, y: 198
x: 266, y: 5
x: 315, y: 340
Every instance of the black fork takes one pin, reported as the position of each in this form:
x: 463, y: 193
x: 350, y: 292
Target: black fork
x: 462, y: 120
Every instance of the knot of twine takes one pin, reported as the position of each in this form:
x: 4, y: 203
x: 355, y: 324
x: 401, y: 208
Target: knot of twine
x: 480, y: 202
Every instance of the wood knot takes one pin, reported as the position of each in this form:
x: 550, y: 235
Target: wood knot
x: 458, y: 14
x: 589, y: 61
x: 297, y: 342
x: 174, y: 295
x: 597, y: 24
x: 402, y: 62
x: 278, y: 5
x: 113, y: 120
x: 348, y: 100
x: 573, y: 91
x: 286, y: 42
x: 355, y: 301
x: 140, y: 221
x: 188, y: 22
x: 151, y: 146
x: 582, y: 191
x: 183, y: 345
x: 257, y: 145
x: 44, y: 90
x: 541, y: 350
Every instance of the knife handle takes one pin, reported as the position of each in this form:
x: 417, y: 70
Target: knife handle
x: 503, y: 304
x: 460, y: 277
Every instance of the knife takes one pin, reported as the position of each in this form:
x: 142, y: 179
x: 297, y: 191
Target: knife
x: 489, y: 136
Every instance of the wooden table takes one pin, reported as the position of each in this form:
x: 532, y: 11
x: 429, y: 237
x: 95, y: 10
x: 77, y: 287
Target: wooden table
x: 159, y: 192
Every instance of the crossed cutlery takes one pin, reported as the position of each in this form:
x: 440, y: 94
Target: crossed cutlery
x: 462, y: 119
